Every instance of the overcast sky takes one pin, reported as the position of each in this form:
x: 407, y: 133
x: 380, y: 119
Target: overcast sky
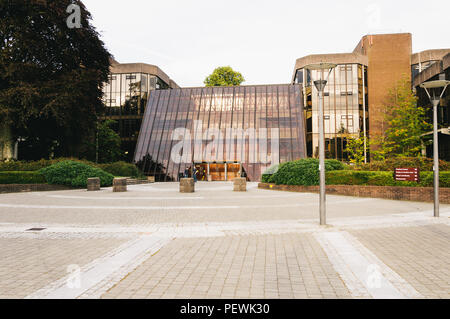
x: 259, y: 38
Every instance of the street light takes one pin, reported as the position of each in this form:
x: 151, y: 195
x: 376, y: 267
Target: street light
x: 320, y: 86
x: 435, y: 90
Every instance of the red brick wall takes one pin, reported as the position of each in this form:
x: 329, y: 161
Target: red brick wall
x: 18, y: 188
x: 418, y: 194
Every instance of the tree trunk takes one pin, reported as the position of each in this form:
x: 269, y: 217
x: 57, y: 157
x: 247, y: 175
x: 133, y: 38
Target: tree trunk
x: 6, y: 142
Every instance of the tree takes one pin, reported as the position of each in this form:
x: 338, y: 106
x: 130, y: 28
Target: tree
x: 224, y: 76
x: 108, y: 148
x: 405, y: 125
x: 355, y: 149
x: 51, y: 76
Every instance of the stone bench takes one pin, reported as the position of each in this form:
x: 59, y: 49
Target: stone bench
x: 187, y: 185
x: 93, y: 184
x: 240, y: 184
x: 120, y: 184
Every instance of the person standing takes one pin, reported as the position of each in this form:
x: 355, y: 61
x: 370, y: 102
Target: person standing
x: 194, y: 174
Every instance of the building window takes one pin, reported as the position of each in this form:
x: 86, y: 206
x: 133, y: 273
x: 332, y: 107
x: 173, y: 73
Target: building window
x: 346, y: 93
x: 347, y: 120
x: 131, y: 77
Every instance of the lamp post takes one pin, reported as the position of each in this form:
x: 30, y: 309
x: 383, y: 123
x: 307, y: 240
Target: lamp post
x: 320, y: 86
x: 435, y: 90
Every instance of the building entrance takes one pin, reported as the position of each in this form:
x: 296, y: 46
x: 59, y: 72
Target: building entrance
x: 218, y: 171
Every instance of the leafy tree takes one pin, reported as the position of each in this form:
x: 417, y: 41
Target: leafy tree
x: 405, y: 125
x: 224, y: 76
x: 51, y: 76
x: 355, y: 149
x: 108, y: 142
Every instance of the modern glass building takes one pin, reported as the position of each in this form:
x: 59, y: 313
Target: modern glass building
x: 345, y: 102
x: 439, y: 70
x: 358, y: 88
x: 225, y: 132
x: 125, y: 97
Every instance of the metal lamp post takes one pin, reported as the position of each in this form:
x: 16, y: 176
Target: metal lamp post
x: 435, y: 90
x: 320, y: 86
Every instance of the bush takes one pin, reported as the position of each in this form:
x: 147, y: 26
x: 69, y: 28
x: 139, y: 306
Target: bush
x: 22, y: 178
x: 121, y: 169
x: 382, y: 179
x: 425, y: 164
x: 303, y: 172
x: 74, y: 174
x: 267, y: 175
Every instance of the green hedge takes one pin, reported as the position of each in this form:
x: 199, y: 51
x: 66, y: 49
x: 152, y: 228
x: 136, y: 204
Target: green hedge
x: 382, y: 179
x: 22, y: 178
x: 302, y: 172
x: 121, y: 169
x: 116, y: 169
x: 424, y: 164
x: 74, y: 174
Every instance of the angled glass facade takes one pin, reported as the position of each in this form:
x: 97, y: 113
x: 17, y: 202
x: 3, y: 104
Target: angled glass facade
x: 253, y: 126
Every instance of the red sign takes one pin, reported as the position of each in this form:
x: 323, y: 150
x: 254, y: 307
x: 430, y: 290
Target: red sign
x: 407, y: 174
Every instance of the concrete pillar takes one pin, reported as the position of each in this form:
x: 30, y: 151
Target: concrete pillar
x: 120, y: 184
x: 187, y: 185
x: 93, y: 184
x: 240, y: 184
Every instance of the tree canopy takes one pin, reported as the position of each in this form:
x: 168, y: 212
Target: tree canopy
x: 406, y: 123
x: 51, y: 75
x: 224, y: 76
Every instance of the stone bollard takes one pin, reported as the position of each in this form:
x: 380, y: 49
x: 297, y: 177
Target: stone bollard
x: 93, y: 184
x: 151, y: 179
x: 120, y: 185
x: 187, y: 185
x: 240, y: 184
x: 209, y: 178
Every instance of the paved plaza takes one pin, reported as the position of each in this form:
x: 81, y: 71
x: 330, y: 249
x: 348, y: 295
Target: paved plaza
x: 154, y: 242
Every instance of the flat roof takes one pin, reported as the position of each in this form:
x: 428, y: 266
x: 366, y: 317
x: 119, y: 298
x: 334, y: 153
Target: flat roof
x: 118, y: 68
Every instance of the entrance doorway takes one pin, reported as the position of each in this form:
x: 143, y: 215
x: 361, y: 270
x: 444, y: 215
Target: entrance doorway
x: 218, y: 171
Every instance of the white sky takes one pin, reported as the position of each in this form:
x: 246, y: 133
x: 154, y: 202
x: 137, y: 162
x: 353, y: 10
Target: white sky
x: 261, y: 39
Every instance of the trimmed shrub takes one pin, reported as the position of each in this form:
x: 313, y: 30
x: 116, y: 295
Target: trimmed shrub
x: 382, y: 179
x: 267, y: 175
x: 74, y: 174
x: 121, y: 169
x: 425, y: 164
x: 22, y: 178
x: 303, y: 172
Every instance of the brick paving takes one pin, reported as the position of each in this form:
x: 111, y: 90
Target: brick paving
x: 420, y: 255
x: 27, y: 265
x: 216, y: 243
x: 272, y: 266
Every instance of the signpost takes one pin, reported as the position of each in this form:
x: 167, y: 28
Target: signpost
x: 407, y: 174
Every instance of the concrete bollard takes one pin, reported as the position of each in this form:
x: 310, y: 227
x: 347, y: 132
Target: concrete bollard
x: 151, y: 179
x: 93, y: 184
x: 209, y: 178
x: 187, y: 185
x: 240, y: 184
x: 120, y: 185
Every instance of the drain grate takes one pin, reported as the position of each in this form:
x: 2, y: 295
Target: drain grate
x: 35, y: 229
